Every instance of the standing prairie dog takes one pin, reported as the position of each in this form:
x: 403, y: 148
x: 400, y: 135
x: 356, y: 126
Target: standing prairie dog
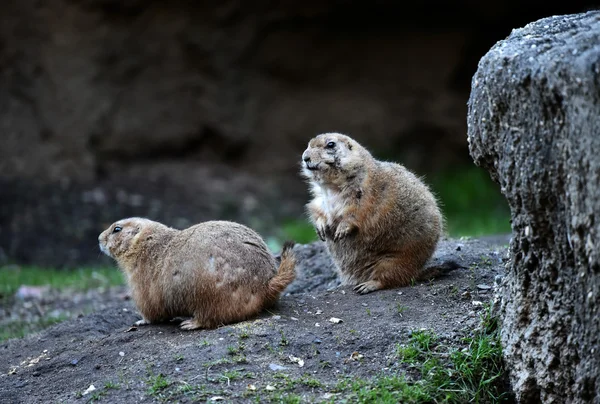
x: 217, y: 272
x: 380, y: 222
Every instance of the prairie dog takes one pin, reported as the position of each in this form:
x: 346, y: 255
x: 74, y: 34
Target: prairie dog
x: 379, y: 221
x: 217, y: 272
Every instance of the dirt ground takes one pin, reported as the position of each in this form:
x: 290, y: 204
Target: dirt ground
x: 283, y: 351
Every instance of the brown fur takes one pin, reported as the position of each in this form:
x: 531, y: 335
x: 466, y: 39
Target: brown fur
x: 217, y: 272
x: 380, y: 222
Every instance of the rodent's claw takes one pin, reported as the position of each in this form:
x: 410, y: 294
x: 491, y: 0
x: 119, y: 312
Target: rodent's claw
x: 367, y: 287
x: 321, y: 233
x: 190, y: 324
x: 342, y: 231
x: 321, y: 228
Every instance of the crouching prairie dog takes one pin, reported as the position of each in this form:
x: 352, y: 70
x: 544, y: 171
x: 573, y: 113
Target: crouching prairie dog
x: 380, y: 223
x: 216, y: 272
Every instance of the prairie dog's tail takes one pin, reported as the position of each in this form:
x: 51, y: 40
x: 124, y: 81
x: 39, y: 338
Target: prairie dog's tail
x: 437, y: 271
x: 285, y: 275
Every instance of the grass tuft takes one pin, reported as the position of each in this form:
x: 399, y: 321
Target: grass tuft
x: 157, y: 383
x: 438, y: 373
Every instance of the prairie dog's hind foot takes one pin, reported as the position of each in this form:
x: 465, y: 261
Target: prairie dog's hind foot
x: 142, y: 322
x: 191, y: 324
x: 368, y: 287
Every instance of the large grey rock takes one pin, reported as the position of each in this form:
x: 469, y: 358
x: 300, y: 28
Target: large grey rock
x: 534, y: 124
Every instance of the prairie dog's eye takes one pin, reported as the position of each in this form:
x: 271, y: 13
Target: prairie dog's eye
x: 117, y: 229
x: 330, y: 145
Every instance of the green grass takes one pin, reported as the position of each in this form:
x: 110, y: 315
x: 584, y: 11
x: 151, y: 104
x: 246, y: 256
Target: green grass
x: 471, y: 202
x: 438, y: 373
x: 383, y: 389
x: 11, y: 277
x: 111, y: 385
x: 157, y: 383
x: 232, y: 375
x: 283, y: 341
x: 283, y: 398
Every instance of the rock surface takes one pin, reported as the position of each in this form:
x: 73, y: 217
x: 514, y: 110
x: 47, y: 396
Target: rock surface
x: 534, y: 124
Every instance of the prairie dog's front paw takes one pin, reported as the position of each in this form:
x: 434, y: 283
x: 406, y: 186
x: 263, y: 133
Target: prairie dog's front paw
x: 343, y: 229
x: 142, y: 322
x: 321, y: 228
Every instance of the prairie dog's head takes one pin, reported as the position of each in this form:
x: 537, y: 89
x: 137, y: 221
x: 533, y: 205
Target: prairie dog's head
x: 121, y: 236
x: 332, y: 157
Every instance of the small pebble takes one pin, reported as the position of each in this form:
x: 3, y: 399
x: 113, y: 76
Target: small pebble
x: 274, y: 366
x: 74, y: 362
x: 121, y: 353
x: 483, y: 286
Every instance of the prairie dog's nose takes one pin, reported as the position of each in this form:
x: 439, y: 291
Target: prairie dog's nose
x: 305, y: 157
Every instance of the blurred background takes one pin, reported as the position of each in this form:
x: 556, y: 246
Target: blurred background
x: 189, y: 111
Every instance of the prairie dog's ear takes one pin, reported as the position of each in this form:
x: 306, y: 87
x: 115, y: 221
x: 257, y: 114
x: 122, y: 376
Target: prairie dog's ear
x: 138, y: 232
